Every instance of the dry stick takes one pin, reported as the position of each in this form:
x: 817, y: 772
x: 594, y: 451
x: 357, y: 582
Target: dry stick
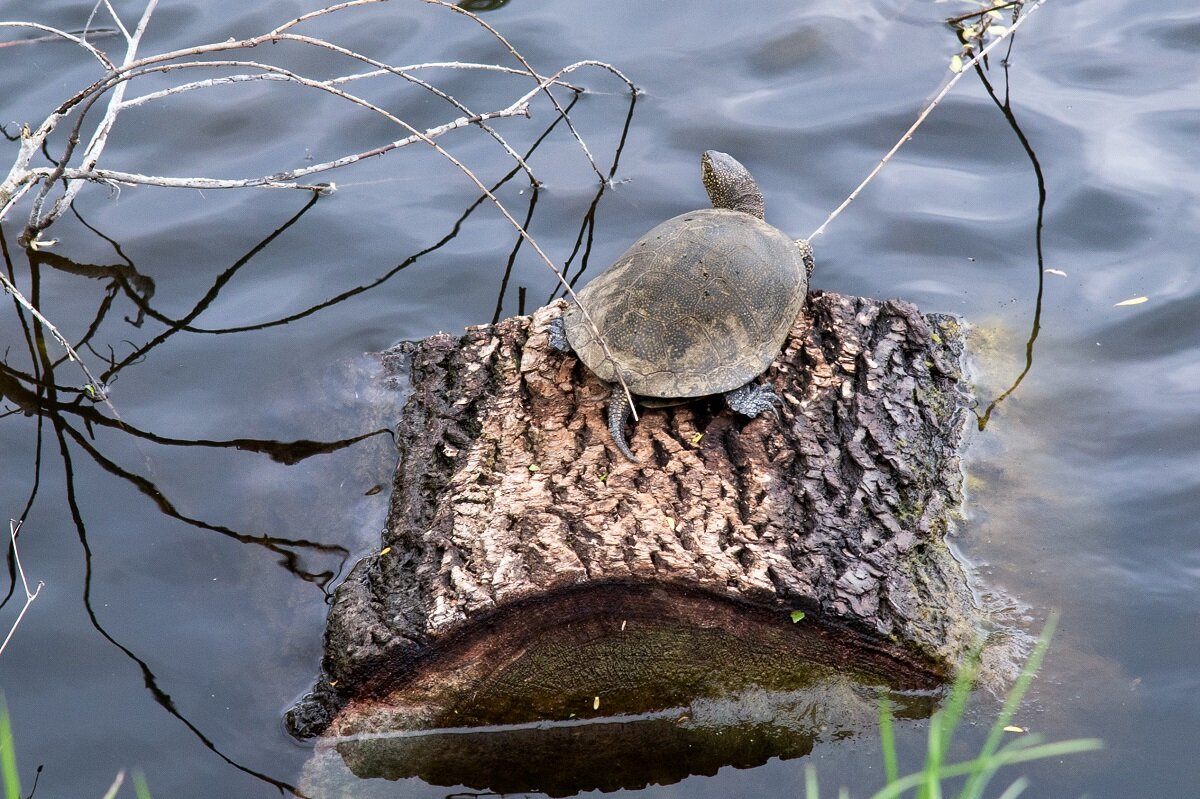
x: 563, y: 114
x: 982, y: 12
x: 99, y: 138
x: 95, y: 384
x: 374, y: 73
x: 97, y: 54
x: 921, y: 118
x: 16, y: 184
x: 13, y: 527
x: 283, y: 179
x: 322, y: 44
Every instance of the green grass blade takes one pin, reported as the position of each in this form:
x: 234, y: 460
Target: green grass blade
x: 811, y: 789
x: 1007, y: 757
x: 943, y: 725
x: 1015, y: 790
x: 887, y: 739
x: 139, y: 785
x: 976, y: 782
x: 8, y: 757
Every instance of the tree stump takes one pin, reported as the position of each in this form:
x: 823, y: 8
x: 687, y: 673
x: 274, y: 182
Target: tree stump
x: 529, y: 572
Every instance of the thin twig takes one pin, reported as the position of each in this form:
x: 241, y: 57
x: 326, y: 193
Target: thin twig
x: 983, y: 12
x: 142, y: 99
x: 95, y: 387
x: 925, y: 113
x: 13, y: 527
x: 557, y: 107
x: 99, y: 56
x: 99, y: 139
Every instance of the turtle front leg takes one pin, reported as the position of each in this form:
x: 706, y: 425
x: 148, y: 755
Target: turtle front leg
x: 618, y: 415
x: 752, y: 399
x: 557, y: 332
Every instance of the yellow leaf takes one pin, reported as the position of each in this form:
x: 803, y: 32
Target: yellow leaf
x: 533, y: 467
x: 956, y: 64
x: 1132, y: 301
x: 696, y: 438
x: 596, y: 703
x: 384, y: 551
x: 1014, y: 728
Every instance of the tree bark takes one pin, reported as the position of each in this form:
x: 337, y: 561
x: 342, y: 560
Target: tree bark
x: 517, y: 529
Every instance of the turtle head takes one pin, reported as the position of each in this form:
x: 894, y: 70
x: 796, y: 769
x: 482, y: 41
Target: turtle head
x: 729, y: 184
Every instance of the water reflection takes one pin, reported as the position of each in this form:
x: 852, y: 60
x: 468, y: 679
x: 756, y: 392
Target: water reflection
x: 566, y: 758
x: 1005, y: 107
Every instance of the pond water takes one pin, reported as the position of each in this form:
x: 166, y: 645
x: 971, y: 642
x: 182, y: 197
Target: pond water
x: 187, y: 559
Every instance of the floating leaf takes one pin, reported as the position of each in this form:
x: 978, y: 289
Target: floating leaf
x: 1014, y: 728
x: 1132, y: 301
x: 956, y: 64
x: 797, y: 615
x: 1058, y: 272
x: 596, y: 703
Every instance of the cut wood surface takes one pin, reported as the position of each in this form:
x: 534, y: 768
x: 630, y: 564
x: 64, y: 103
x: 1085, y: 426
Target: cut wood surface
x: 515, y: 524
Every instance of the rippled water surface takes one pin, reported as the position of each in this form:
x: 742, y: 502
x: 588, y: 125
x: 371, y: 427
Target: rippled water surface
x: 186, y: 567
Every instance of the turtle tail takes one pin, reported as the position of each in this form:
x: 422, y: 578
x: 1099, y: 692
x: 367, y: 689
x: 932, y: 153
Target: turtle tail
x: 618, y: 415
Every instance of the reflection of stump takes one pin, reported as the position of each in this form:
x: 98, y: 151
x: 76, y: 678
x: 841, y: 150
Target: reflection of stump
x: 520, y: 544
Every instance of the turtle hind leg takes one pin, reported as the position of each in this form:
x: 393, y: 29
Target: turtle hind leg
x: 618, y: 415
x: 557, y: 332
x: 752, y: 399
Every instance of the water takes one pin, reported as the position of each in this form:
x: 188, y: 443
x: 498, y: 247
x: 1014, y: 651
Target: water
x: 186, y: 569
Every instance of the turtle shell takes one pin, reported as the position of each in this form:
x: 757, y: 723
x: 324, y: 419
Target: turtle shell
x: 699, y: 305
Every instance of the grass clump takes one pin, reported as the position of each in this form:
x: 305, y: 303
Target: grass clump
x: 928, y: 783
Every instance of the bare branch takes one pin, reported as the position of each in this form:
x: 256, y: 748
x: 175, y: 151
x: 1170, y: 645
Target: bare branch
x: 100, y: 136
x: 13, y: 527
x: 112, y: 12
x: 908, y: 134
x: 532, y: 73
x: 99, y: 56
x: 319, y: 13
x: 95, y: 387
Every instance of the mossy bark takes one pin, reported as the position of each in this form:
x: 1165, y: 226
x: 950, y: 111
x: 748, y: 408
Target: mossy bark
x: 516, y: 525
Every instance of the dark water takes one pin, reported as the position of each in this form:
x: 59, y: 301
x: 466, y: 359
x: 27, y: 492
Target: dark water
x: 186, y: 568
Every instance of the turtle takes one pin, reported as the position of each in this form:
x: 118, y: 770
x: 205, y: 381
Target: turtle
x: 698, y: 306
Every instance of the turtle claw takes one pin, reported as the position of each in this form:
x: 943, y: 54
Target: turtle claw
x: 752, y: 399
x: 618, y: 415
x: 557, y: 332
